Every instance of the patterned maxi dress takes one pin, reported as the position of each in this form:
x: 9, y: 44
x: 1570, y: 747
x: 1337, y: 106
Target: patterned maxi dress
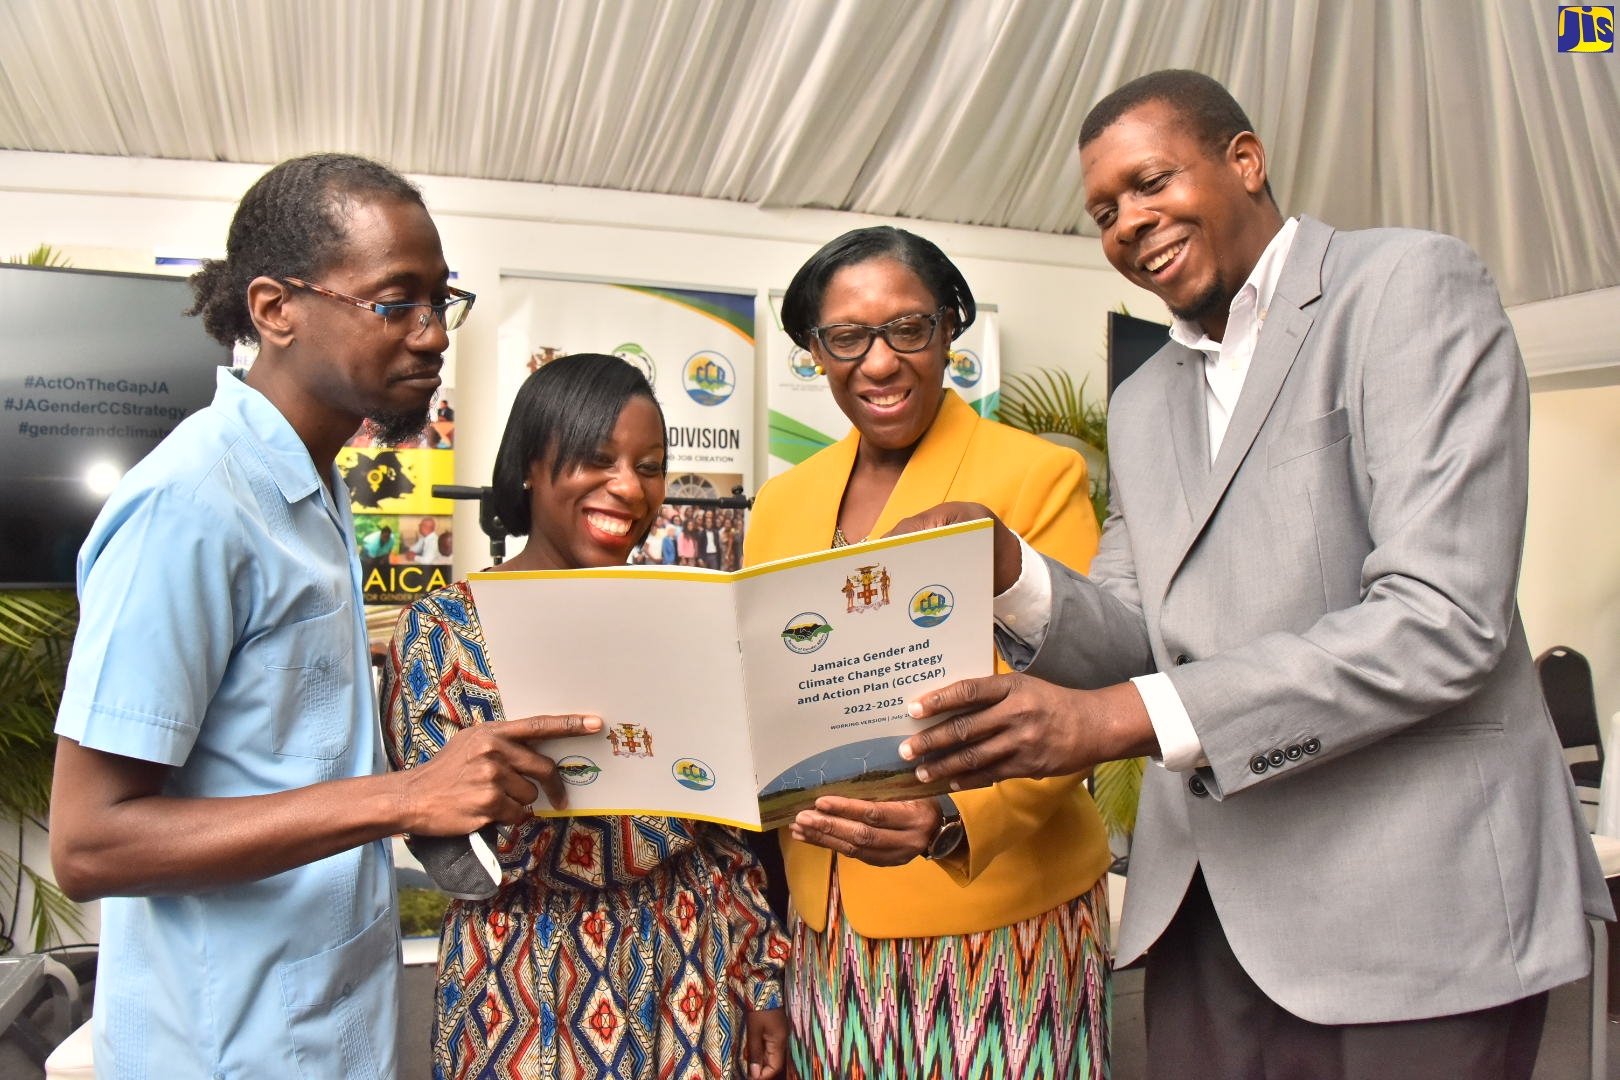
x: 616, y: 946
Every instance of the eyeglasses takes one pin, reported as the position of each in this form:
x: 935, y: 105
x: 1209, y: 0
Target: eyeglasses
x: 451, y: 313
x: 852, y: 341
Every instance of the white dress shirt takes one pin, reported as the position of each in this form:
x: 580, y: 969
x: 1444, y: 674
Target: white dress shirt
x: 1025, y: 609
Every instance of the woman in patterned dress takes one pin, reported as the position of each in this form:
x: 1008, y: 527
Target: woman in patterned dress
x: 615, y: 946
x: 961, y: 937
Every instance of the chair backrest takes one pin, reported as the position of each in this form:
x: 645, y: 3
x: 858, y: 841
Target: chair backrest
x: 1566, y: 683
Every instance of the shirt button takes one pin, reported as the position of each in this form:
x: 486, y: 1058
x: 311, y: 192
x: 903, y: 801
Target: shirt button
x: 1276, y: 757
x: 1294, y: 753
x: 1311, y: 746
x: 1257, y: 764
x: 1182, y: 658
x: 1197, y: 786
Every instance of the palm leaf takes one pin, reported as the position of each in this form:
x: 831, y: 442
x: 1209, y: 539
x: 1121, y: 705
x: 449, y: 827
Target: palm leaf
x: 1116, y: 788
x: 44, y: 255
x: 36, y: 636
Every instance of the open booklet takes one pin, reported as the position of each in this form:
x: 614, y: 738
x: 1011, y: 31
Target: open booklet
x: 740, y: 697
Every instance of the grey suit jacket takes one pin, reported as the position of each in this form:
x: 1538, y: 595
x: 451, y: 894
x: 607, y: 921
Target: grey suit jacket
x: 1386, y: 823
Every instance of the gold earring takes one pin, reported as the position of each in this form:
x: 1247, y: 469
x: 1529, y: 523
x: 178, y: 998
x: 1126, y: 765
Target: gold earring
x: 526, y: 485
x: 820, y: 370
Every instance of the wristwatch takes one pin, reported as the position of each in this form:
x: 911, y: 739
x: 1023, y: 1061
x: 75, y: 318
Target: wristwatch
x: 950, y: 835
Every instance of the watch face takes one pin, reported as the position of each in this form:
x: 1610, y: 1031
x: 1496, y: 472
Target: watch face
x: 947, y: 839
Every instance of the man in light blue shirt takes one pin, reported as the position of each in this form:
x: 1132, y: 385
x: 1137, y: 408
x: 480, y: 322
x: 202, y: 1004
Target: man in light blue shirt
x: 219, y: 776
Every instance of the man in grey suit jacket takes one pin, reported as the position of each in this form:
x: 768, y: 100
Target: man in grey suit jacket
x: 1362, y: 855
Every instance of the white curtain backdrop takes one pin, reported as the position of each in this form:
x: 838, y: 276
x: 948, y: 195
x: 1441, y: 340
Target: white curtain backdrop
x: 1455, y: 115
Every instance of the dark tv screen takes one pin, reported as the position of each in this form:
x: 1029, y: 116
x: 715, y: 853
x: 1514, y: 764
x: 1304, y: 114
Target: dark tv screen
x: 1130, y: 342
x: 95, y: 369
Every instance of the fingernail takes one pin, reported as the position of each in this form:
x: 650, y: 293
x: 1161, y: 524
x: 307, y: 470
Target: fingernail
x: 956, y: 785
x: 906, y: 752
x: 915, y: 709
x: 593, y: 723
x: 923, y: 774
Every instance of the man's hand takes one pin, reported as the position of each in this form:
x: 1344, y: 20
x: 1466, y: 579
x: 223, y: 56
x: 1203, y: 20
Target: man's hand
x: 1009, y: 726
x: 767, y: 1036
x: 1008, y: 558
x: 880, y: 833
x: 489, y: 773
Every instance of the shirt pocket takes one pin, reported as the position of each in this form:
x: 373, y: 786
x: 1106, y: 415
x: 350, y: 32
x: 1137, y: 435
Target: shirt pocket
x: 342, y: 1005
x: 307, y: 675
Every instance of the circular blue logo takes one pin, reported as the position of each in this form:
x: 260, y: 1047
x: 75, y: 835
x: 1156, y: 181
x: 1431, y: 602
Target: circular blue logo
x: 802, y: 364
x: 931, y: 605
x: 689, y: 772
x: 578, y: 770
x: 708, y: 377
x: 964, y: 367
x: 806, y: 632
x: 640, y: 359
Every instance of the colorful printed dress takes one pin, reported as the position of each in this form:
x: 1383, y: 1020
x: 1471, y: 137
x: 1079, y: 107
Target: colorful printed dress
x: 616, y: 946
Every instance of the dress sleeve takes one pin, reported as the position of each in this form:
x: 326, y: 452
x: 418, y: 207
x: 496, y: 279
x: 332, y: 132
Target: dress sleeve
x: 418, y: 704
x: 760, y: 948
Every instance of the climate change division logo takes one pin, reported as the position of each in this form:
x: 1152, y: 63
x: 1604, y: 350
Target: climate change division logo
x: 638, y: 358
x: 708, y: 377
x: 931, y: 605
x: 964, y: 368
x: 802, y: 364
x: 578, y: 770
x: 806, y: 632
x: 689, y: 772
x: 1587, y: 28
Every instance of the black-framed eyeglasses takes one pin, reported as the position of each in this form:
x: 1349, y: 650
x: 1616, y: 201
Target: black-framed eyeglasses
x: 409, y: 319
x: 852, y: 341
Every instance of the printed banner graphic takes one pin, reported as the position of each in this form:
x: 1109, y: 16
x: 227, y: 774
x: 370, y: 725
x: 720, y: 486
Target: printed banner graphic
x: 696, y: 347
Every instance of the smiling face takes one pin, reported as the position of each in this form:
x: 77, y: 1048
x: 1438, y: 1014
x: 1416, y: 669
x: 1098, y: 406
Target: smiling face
x: 596, y: 512
x: 350, y: 359
x: 891, y: 397
x: 1183, y: 221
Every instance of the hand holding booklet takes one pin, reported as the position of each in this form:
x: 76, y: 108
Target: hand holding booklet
x: 740, y: 697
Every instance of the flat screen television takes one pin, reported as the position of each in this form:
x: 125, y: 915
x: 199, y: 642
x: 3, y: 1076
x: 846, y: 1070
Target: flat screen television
x: 95, y: 369
x: 1130, y: 342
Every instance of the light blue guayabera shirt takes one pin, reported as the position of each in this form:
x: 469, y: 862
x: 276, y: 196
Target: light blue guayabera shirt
x: 220, y: 633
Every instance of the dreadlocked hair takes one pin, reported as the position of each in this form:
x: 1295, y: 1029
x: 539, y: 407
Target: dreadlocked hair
x: 291, y: 223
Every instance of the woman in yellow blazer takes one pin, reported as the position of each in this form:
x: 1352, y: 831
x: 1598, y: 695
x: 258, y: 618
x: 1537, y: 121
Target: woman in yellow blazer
x: 957, y: 937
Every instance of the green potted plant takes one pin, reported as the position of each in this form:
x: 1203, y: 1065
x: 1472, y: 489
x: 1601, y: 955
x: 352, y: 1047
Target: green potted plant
x: 1049, y: 403
x: 36, y: 636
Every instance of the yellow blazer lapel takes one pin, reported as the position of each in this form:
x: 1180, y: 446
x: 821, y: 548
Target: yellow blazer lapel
x: 933, y: 466
x: 828, y: 475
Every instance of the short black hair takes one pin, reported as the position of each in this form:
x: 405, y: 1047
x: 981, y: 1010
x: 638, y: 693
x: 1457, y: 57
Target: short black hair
x: 568, y: 408
x: 801, y: 306
x: 1209, y: 111
x: 291, y: 223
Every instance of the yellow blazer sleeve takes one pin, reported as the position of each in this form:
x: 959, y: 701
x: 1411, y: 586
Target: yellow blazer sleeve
x: 1050, y: 508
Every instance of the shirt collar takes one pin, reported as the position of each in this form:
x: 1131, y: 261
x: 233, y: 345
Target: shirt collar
x: 284, y: 454
x: 1260, y: 287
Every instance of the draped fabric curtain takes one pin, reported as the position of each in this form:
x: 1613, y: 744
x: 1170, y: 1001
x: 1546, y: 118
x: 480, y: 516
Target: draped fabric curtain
x: 1459, y: 116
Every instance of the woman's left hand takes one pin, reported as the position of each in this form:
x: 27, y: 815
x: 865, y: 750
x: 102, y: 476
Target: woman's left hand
x: 766, y: 1045
x: 880, y: 833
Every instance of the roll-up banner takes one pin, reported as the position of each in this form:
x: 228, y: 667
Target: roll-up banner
x: 696, y: 346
